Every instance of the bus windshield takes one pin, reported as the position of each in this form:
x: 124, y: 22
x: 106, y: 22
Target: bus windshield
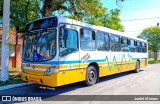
x: 39, y: 45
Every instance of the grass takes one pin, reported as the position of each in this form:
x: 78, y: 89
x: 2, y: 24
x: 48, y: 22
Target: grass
x: 14, y: 80
x: 151, y: 61
x: 14, y: 77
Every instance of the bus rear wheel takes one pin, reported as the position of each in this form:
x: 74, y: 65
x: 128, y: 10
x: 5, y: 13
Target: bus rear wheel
x: 137, y: 67
x: 91, y: 76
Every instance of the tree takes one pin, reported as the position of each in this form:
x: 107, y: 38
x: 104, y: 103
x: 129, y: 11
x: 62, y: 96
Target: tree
x: 152, y: 35
x: 89, y: 11
x: 1, y: 8
x: 93, y: 12
x: 22, y: 11
x: 52, y: 5
x: 114, y: 20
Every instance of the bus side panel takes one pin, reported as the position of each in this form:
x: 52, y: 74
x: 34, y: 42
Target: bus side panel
x: 125, y: 62
x: 133, y: 59
x: 115, y: 62
x: 104, y: 69
x: 69, y: 70
x: 71, y: 76
x: 92, y: 57
x: 144, y: 60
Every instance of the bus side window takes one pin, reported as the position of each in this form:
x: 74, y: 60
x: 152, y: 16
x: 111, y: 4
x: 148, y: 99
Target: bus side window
x: 87, y: 40
x: 144, y: 47
x: 124, y: 44
x: 138, y: 47
x: 132, y: 47
x: 102, y: 41
x: 71, y: 42
x: 115, y: 42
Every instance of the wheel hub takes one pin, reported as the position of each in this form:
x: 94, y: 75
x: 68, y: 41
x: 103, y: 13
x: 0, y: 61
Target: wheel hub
x: 92, y: 76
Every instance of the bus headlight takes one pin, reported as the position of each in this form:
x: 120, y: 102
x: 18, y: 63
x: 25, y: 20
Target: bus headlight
x: 50, y: 70
x: 23, y: 69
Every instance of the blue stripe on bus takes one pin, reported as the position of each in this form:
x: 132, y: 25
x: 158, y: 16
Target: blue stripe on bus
x: 54, y: 62
x: 79, y: 61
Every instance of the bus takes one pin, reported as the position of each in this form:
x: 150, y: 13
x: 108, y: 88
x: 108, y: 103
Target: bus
x: 59, y: 51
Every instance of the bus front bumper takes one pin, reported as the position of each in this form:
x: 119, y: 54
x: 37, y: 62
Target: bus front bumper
x: 39, y: 79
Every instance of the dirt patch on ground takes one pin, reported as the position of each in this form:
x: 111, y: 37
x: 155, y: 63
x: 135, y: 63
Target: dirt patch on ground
x: 14, y: 73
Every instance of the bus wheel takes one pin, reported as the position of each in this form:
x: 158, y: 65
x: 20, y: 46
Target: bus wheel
x: 91, y: 76
x: 137, y: 67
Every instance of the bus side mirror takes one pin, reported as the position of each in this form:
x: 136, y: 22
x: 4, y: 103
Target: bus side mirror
x: 65, y: 36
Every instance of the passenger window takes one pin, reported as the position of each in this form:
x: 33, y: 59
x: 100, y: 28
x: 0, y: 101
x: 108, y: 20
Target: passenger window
x: 87, y: 39
x: 144, y: 47
x: 138, y: 47
x: 124, y: 44
x: 102, y: 41
x: 132, y: 47
x: 115, y: 43
x: 68, y: 44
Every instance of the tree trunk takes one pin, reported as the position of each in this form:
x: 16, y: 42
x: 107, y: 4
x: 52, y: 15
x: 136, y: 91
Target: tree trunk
x: 155, y: 55
x: 52, y: 5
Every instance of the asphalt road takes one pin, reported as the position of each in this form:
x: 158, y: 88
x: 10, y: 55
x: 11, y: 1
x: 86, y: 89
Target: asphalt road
x: 146, y: 82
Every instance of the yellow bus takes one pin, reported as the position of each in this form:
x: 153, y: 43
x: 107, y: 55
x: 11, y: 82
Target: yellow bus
x: 59, y: 51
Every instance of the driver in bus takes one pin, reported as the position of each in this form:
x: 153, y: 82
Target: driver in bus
x: 47, y: 45
x: 44, y: 50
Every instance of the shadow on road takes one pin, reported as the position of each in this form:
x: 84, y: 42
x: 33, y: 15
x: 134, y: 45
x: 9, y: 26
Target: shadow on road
x: 74, y: 86
x: 48, y: 93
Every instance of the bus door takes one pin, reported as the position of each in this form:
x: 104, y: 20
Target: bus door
x: 87, y: 46
x: 68, y: 54
x: 125, y: 54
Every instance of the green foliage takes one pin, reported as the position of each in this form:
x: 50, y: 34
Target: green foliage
x: 93, y: 12
x: 52, y: 5
x: 152, y: 35
x: 89, y: 11
x: 1, y: 8
x: 114, y: 20
x: 22, y: 11
x: 152, y: 61
x: 15, y: 80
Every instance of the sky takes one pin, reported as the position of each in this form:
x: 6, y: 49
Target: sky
x: 136, y: 15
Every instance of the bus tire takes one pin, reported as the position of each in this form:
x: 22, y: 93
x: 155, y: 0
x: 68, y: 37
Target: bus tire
x: 137, y: 69
x: 91, y: 76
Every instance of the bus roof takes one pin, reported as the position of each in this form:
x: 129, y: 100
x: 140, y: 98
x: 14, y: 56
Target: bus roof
x: 100, y: 28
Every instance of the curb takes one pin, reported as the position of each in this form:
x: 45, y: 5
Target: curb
x: 15, y: 85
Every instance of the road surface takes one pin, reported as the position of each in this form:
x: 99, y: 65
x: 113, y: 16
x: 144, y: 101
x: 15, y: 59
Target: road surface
x: 146, y: 82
